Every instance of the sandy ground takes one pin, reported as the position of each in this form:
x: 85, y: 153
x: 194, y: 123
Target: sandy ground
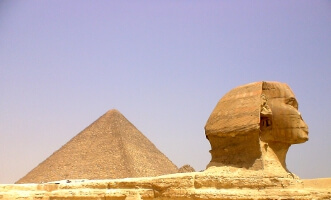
x: 317, y: 183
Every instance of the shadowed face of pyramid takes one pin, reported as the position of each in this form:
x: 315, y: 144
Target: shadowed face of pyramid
x: 111, y: 147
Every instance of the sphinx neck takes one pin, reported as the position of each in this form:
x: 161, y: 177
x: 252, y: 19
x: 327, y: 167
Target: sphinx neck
x: 274, y: 156
x: 250, y: 152
x: 241, y: 151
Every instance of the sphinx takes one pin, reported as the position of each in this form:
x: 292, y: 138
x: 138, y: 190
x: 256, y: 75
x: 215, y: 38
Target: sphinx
x: 253, y: 126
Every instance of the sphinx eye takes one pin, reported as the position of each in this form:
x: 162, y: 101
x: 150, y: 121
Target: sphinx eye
x: 293, y: 102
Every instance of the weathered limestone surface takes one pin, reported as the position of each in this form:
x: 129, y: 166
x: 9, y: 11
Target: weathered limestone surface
x: 183, y: 186
x: 254, y: 125
x: 250, y: 132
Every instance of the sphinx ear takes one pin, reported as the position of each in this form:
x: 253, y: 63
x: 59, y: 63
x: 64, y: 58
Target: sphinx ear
x: 265, y: 114
x: 265, y: 123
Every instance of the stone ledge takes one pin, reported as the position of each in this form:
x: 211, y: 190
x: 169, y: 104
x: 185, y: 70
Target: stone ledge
x: 197, y: 186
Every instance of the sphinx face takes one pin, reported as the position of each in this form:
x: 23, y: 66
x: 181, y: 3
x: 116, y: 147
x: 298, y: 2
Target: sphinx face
x: 287, y: 124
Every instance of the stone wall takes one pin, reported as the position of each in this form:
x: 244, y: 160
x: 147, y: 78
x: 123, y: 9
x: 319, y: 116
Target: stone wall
x: 183, y: 186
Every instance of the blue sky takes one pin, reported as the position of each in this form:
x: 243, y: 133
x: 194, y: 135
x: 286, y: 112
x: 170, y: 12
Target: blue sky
x: 163, y: 64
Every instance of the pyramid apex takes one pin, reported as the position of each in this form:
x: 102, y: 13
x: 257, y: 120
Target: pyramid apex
x: 113, y: 111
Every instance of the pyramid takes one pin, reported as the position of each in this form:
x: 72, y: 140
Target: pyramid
x: 111, y: 147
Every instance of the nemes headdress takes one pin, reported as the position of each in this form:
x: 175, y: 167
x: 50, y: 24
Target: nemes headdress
x: 240, y: 110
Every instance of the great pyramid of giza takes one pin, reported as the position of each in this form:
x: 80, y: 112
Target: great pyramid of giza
x: 111, y: 147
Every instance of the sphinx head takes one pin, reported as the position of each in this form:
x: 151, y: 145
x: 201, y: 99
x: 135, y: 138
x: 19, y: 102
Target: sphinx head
x: 252, y: 114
